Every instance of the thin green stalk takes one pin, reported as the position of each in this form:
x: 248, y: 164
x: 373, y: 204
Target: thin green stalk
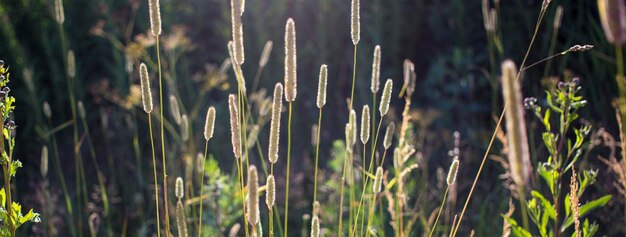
x: 522, y: 203
x: 555, y: 32
x: 371, y: 215
x: 240, y: 95
x: 271, y: 222
x: 103, y: 189
x: 369, y: 169
x: 59, y: 171
x: 288, y: 169
x: 493, y: 136
x: 373, y: 124
x: 156, y: 182
x: 443, y: 203
x: 206, y: 148
x: 166, y: 203
x: 77, y: 159
x: 353, y: 79
x: 343, y: 181
x: 317, y: 154
x: 619, y: 55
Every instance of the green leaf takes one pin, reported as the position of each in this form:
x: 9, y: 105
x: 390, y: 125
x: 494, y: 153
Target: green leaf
x: 546, y: 204
x: 516, y: 230
x: 586, y: 208
x: 546, y: 119
x: 3, y: 198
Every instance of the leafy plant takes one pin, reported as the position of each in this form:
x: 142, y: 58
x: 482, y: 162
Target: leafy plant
x: 551, y: 211
x: 11, y: 213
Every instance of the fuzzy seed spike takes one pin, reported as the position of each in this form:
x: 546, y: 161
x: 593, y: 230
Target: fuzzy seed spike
x: 146, y: 94
x: 44, y: 161
x: 59, y: 14
x: 365, y: 124
x: 181, y: 220
x: 155, y: 17
x: 315, y: 227
x: 348, y: 130
x: 353, y: 127
x: 386, y: 97
x: 376, y: 70
x: 48, y: 112
x: 378, y: 180
x: 175, y: 109
x: 519, y: 157
x: 389, y: 135
x: 454, y: 168
x: 253, y: 196
x: 184, y: 127
x: 179, y: 188
x: 265, y: 56
x: 270, y: 191
x: 355, y: 28
x: 71, y: 64
x: 235, y: 126
x: 321, y: 88
x: 209, y: 125
x: 291, y: 82
x: 237, y: 30
x: 275, y: 124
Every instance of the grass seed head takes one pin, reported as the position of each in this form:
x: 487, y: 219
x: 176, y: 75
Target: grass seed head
x: 409, y: 77
x: 355, y: 28
x: 353, y: 121
x: 376, y: 70
x: 253, y: 195
x: 209, y: 125
x: 235, y: 126
x: 315, y: 227
x: 558, y: 16
x: 48, y: 112
x: 378, y: 180
x: 252, y: 136
x: 270, y: 191
x: 519, y: 157
x: 454, y: 168
x: 275, y: 124
x: 71, y: 64
x: 241, y: 81
x: 613, y: 18
x: 181, y: 220
x: 237, y: 30
x: 44, y: 161
x: 348, y: 130
x: 365, y: 124
x: 155, y: 17
x: 59, y: 14
x: 184, y: 128
x: 291, y: 82
x: 391, y: 128
x: 175, y: 109
x: 180, y: 188
x: 265, y: 56
x: 321, y: 87
x: 81, y: 110
x: 386, y: 97
x: 146, y: 93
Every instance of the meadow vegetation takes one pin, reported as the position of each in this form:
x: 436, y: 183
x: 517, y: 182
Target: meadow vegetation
x: 178, y: 118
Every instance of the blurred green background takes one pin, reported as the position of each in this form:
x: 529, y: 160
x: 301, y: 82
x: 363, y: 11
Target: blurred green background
x: 457, y: 86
